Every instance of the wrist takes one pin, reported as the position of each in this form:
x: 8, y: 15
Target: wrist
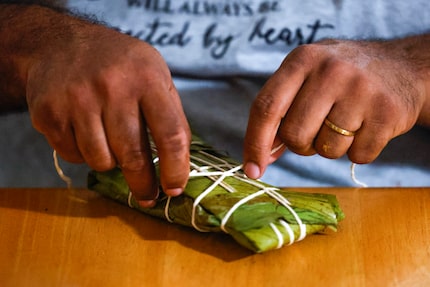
x: 414, y: 52
x: 417, y: 50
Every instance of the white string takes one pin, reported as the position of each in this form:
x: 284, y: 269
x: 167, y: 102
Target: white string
x: 277, y: 148
x: 352, y: 168
x: 354, y: 179
x: 220, y: 171
x: 166, y: 209
x: 222, y: 174
x: 206, y: 192
x: 289, y: 231
x: 130, y: 194
x: 270, y: 191
x: 278, y: 234
x: 201, y: 169
x: 286, y: 204
x: 60, y: 172
x: 129, y: 199
x: 237, y: 205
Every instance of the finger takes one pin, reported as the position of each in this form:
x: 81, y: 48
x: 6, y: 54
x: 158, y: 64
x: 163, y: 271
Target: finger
x: 126, y: 133
x: 303, y: 120
x: 92, y: 141
x: 346, y: 115
x: 171, y: 134
x: 266, y: 113
x: 303, y: 129
x: 278, y: 148
x: 64, y: 143
x: 369, y: 141
x: 330, y: 143
x: 57, y: 130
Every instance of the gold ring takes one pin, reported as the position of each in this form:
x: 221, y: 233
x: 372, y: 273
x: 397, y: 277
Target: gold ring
x: 338, y: 129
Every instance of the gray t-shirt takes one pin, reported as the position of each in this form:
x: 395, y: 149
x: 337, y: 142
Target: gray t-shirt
x: 221, y: 52
x: 251, y: 37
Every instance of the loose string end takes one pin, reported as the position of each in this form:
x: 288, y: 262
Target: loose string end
x: 354, y: 178
x: 60, y: 172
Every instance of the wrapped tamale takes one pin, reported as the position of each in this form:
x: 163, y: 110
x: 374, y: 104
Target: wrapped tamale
x: 220, y: 198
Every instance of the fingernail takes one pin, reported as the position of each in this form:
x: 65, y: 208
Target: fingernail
x: 174, y: 191
x: 252, y: 170
x: 147, y: 203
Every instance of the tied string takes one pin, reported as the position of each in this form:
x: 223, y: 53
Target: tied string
x: 217, y: 169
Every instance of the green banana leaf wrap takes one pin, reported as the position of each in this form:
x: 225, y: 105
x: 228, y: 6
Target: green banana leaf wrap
x: 220, y: 198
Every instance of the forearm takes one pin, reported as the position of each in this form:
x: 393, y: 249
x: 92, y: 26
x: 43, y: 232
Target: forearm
x: 27, y: 33
x: 12, y: 80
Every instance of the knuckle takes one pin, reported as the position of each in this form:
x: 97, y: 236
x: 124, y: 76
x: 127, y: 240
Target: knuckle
x: 255, y: 148
x: 306, y: 51
x: 386, y: 111
x: 82, y: 101
x: 100, y: 161
x: 264, y: 107
x: 327, y: 151
x: 56, y: 140
x: 175, y: 143
x: 111, y: 81
x: 334, y: 68
x: 66, y: 149
x: 45, y: 117
x: 296, y: 139
x: 155, y: 77
x: 130, y: 81
x: 360, y: 157
x: 367, y: 151
x: 69, y: 153
x: 135, y: 161
x: 73, y: 158
x: 363, y: 85
x: 299, y: 58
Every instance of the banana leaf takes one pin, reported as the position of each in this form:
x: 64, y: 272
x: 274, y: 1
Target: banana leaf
x: 220, y: 198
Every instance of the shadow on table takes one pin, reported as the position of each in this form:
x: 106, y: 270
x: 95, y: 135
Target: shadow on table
x: 88, y: 204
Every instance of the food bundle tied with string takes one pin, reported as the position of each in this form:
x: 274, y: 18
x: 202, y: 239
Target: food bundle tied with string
x: 220, y: 198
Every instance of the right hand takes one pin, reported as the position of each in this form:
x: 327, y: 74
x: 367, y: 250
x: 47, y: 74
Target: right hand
x: 95, y: 93
x: 377, y: 89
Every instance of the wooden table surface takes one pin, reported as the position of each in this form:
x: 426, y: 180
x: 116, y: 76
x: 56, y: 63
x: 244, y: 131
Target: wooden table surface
x: 60, y: 237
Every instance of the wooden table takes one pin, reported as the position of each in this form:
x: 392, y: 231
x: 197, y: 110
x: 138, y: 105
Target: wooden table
x: 60, y: 237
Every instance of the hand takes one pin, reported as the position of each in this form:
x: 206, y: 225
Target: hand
x: 96, y: 94
x: 369, y: 88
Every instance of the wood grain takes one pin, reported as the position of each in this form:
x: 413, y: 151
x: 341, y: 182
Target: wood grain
x: 60, y: 237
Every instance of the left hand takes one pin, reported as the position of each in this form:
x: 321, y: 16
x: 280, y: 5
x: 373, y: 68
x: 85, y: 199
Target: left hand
x: 368, y: 88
